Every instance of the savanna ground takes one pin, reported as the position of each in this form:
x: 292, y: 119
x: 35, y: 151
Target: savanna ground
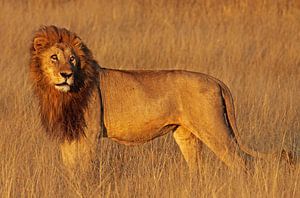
x: 253, y: 46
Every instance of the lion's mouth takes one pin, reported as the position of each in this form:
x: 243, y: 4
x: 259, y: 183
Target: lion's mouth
x: 64, y: 87
x: 62, y: 84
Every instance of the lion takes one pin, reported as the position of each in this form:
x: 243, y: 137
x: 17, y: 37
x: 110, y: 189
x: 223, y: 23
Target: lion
x: 80, y: 102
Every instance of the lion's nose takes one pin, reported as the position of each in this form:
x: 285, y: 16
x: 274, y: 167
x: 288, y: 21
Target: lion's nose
x: 66, y: 74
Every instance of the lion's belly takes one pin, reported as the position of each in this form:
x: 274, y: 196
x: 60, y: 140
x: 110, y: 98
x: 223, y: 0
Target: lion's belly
x: 136, y: 125
x: 130, y: 137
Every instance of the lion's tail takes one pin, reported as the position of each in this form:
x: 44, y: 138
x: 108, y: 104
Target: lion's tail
x: 231, y: 121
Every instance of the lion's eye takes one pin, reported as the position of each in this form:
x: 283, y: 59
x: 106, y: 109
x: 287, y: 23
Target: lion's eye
x: 54, y: 57
x: 72, y: 59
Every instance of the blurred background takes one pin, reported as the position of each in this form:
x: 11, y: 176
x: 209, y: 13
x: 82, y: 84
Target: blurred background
x: 252, y: 46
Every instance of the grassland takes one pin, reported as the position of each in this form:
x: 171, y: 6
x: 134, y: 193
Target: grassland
x: 253, y: 46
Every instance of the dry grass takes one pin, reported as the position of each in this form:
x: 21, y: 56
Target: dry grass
x: 253, y: 46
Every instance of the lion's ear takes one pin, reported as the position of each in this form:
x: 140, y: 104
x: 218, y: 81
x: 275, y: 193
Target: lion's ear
x: 39, y: 43
x: 77, y: 43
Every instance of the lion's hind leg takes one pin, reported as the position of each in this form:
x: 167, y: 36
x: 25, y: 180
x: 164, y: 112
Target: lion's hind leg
x: 189, y: 147
x: 217, y: 138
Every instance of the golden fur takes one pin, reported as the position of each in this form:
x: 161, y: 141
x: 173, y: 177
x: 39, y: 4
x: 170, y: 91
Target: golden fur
x: 79, y: 100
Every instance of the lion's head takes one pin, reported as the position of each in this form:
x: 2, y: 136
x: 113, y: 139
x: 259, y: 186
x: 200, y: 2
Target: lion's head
x: 64, y: 74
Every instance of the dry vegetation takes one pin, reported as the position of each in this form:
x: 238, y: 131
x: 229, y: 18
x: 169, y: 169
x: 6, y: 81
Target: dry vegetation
x: 253, y: 46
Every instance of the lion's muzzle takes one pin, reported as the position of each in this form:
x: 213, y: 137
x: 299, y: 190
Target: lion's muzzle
x: 68, y: 80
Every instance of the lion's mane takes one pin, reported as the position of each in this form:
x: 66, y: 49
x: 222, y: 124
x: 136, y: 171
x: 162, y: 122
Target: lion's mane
x: 62, y: 114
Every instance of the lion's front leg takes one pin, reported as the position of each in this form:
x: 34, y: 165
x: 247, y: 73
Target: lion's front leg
x: 79, y: 156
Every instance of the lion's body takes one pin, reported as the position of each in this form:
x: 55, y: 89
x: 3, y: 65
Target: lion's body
x: 79, y: 100
x: 139, y: 105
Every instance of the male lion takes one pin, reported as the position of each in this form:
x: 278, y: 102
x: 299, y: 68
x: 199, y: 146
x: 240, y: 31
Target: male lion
x: 79, y: 100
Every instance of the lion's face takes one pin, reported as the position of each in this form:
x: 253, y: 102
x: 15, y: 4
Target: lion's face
x: 60, y: 65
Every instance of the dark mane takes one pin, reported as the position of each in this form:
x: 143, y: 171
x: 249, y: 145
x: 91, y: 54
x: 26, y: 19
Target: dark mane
x: 62, y: 114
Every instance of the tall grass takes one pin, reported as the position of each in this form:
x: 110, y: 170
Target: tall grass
x: 253, y: 46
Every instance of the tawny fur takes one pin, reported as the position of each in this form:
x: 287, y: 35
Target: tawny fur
x: 130, y: 107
